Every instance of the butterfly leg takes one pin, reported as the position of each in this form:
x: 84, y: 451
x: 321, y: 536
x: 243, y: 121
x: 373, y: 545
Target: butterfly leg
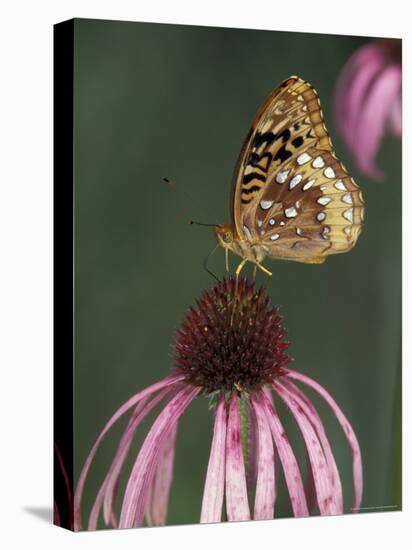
x: 238, y: 270
x: 227, y: 259
x: 262, y: 268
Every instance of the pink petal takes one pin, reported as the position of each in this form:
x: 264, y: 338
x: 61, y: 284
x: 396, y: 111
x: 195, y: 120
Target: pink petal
x: 310, y: 489
x: 265, y: 486
x: 135, y: 498
x: 325, y: 498
x: 372, y: 120
x: 113, y: 477
x: 108, y: 490
x: 168, y: 381
x: 317, y: 424
x: 395, y: 117
x: 115, y: 468
x: 287, y: 458
x: 352, y: 88
x: 157, y: 505
x: 347, y: 429
x: 213, y: 493
x: 237, y: 506
x: 111, y: 482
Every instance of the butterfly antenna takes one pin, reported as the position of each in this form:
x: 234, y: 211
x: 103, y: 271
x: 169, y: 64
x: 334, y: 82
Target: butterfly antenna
x: 192, y: 222
x: 205, y: 262
x: 188, y: 198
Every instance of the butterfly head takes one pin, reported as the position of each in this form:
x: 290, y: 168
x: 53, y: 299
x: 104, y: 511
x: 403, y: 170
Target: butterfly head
x: 225, y: 235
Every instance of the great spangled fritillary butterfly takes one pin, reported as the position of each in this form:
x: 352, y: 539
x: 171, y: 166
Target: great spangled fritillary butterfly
x: 292, y: 199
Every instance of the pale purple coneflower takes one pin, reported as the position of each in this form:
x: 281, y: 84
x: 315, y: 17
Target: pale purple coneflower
x: 368, y: 101
x: 234, y: 350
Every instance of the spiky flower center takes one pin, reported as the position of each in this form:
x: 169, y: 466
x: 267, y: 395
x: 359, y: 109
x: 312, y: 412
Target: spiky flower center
x: 232, y: 339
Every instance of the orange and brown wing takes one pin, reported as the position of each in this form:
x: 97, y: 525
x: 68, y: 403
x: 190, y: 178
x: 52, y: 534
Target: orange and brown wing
x: 291, y: 193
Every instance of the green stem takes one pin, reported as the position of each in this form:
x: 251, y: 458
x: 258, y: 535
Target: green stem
x: 244, y: 428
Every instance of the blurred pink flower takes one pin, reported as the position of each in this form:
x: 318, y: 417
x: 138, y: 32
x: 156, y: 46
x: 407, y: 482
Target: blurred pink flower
x: 368, y: 101
x: 231, y: 347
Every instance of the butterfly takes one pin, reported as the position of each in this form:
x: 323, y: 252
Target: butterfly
x: 292, y: 199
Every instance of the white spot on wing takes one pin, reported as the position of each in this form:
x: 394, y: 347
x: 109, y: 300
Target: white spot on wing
x: 347, y: 198
x: 303, y: 158
x: 259, y: 223
x: 308, y: 185
x: 348, y: 215
x: 329, y: 172
x: 272, y: 221
x: 282, y: 176
x: 318, y: 162
x: 321, y: 216
x: 265, y: 205
x: 340, y: 186
x: 294, y: 181
x: 291, y: 212
x: 274, y: 237
x: 299, y: 231
x: 325, y: 232
x: 324, y: 200
x: 282, y: 223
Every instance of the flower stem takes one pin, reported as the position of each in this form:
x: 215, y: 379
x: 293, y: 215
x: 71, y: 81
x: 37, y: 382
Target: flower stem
x: 244, y: 427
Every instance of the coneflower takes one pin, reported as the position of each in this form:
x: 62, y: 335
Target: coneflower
x: 230, y: 346
x: 368, y: 101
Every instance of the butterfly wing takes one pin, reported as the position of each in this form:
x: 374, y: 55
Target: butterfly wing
x: 292, y: 195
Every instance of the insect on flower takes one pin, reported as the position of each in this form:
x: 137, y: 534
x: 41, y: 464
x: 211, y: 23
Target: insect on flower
x: 234, y: 350
x: 292, y: 198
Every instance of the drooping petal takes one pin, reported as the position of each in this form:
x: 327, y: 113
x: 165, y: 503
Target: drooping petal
x: 310, y: 489
x: 237, y: 506
x: 287, y: 458
x: 268, y: 391
x: 115, y: 468
x: 135, y: 497
x: 108, y: 490
x: 374, y: 116
x: 317, y: 424
x: 265, y: 485
x: 347, y: 429
x: 167, y: 381
x: 111, y: 481
x: 395, y: 117
x: 213, y: 492
x: 325, y: 497
x: 157, y: 505
x: 113, y: 477
x: 352, y: 88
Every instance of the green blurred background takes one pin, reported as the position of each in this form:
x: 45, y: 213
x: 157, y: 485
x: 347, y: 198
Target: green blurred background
x: 156, y: 100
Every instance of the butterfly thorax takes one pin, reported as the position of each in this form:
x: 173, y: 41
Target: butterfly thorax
x: 229, y: 239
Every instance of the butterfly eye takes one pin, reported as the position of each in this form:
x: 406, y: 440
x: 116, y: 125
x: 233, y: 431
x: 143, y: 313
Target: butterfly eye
x: 227, y: 237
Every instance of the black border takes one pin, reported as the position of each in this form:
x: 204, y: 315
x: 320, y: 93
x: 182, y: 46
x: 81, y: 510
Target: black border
x: 63, y: 170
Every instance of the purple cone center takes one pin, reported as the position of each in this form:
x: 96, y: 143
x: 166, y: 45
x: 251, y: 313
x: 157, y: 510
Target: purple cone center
x: 233, y: 339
